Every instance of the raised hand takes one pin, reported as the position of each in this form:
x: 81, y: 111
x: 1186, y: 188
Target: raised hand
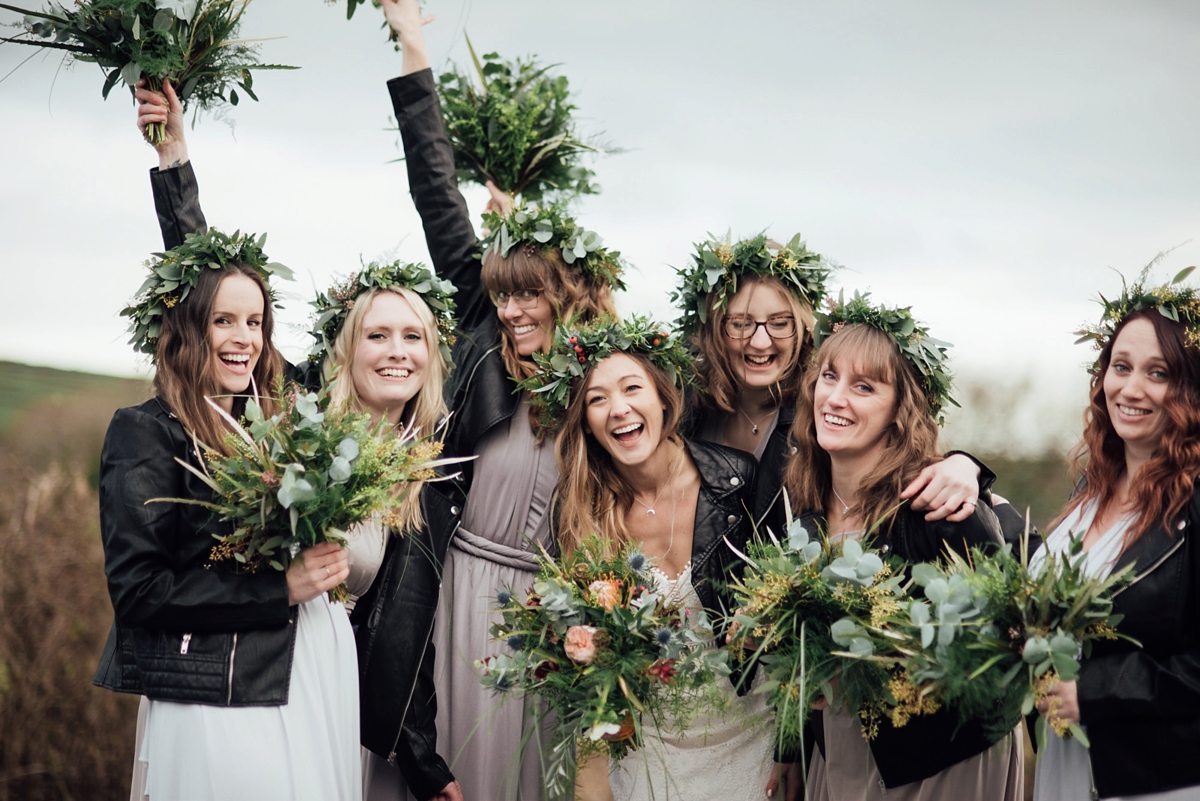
x: 316, y: 570
x: 163, y: 107
x: 500, y: 202
x: 405, y: 20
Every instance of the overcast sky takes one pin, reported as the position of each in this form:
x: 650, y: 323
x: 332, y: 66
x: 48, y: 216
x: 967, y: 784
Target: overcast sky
x: 985, y: 163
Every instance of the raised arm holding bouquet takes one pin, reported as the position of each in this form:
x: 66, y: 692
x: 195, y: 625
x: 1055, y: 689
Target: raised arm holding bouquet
x: 192, y: 43
x: 1136, y: 505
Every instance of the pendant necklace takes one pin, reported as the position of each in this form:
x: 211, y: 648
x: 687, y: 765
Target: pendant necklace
x: 670, y: 478
x: 845, y: 506
x: 750, y: 419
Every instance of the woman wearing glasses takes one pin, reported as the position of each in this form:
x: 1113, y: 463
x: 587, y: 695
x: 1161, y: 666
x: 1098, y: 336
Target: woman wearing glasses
x: 508, y: 303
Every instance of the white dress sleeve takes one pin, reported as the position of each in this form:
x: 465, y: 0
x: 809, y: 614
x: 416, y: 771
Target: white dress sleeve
x: 367, y: 543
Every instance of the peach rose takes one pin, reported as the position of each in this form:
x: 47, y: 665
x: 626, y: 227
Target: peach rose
x: 607, y: 593
x: 580, y: 644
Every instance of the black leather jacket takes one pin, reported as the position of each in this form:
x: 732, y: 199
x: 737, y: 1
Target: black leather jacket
x: 480, y: 392
x: 928, y: 744
x: 397, y: 702
x: 1141, y: 706
x: 185, y: 629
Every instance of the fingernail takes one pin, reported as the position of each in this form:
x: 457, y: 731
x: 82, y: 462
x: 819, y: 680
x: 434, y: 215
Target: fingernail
x: 770, y: 793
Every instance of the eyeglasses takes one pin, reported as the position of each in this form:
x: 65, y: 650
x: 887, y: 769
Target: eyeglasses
x: 741, y: 327
x: 524, y: 298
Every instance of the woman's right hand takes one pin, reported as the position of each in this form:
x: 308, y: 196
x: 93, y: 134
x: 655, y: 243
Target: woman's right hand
x: 163, y: 107
x: 316, y: 570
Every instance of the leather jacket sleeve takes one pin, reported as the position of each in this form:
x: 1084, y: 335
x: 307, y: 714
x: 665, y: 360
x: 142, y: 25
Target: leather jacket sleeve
x: 416, y: 752
x: 177, y: 203
x: 152, y: 586
x: 433, y: 184
x: 1135, y: 684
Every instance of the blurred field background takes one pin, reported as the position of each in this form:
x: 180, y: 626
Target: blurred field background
x: 62, y: 738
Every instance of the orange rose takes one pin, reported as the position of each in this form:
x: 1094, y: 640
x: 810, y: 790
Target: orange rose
x: 580, y: 644
x: 606, y: 593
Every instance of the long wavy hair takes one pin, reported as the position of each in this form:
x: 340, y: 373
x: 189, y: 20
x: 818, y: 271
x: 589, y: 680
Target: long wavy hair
x: 423, y: 411
x: 721, y: 376
x: 1164, y: 485
x: 910, y: 439
x: 591, y: 496
x: 184, y: 374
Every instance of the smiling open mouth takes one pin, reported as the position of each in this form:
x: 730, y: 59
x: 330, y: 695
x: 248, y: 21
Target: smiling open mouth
x: 393, y: 372
x: 759, y: 361
x: 627, y: 433
x: 521, y: 330
x: 834, y: 420
x: 235, y: 360
x: 1132, y: 412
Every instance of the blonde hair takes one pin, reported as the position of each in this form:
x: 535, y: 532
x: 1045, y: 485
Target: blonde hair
x: 591, y: 496
x: 717, y: 372
x: 423, y: 411
x: 911, y: 437
x: 570, y: 293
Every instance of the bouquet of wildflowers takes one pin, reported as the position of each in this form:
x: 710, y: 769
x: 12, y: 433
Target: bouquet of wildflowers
x: 596, y: 639
x: 811, y: 613
x: 193, y: 43
x: 304, y: 476
x: 992, y: 636
x: 516, y: 128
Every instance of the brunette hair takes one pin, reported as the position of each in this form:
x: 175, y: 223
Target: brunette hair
x: 591, y: 496
x: 423, y: 411
x: 571, y: 293
x: 911, y: 437
x: 719, y: 374
x: 184, y: 374
x: 1166, y: 482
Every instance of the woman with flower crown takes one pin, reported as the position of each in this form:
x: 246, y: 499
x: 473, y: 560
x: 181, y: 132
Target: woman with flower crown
x: 747, y: 307
x: 1137, y: 502
x: 866, y: 424
x: 250, y: 676
x: 628, y: 474
x: 509, y: 303
x: 382, y: 345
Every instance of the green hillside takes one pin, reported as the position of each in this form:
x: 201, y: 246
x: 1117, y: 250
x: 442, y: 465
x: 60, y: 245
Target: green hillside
x: 23, y: 385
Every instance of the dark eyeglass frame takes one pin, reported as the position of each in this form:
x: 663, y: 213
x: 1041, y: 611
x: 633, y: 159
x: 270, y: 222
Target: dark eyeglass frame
x: 501, y: 299
x: 764, y: 324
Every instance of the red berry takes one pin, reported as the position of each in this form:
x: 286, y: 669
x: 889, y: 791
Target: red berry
x: 579, y: 350
x: 656, y: 343
x: 573, y: 340
x: 582, y: 360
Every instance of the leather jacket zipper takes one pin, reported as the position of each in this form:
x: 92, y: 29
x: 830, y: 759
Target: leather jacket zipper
x: 408, y: 703
x: 1178, y: 544
x: 232, y: 654
x: 183, y: 645
x: 471, y: 378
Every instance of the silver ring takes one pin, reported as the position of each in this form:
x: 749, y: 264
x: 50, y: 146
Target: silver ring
x: 969, y: 503
x: 326, y: 571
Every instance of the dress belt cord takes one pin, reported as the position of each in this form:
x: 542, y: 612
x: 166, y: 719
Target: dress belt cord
x: 494, y: 552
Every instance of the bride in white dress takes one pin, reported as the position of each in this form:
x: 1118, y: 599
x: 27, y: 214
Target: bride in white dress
x: 629, y: 475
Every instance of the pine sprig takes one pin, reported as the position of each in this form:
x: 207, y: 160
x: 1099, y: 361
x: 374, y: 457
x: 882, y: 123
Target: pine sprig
x: 516, y: 127
x: 194, y: 43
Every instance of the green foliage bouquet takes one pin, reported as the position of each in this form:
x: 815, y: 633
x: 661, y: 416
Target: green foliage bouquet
x: 191, y: 42
x: 992, y: 635
x: 811, y: 613
x: 304, y: 476
x: 515, y: 128
x: 597, y: 640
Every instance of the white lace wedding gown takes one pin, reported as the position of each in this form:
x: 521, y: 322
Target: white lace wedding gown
x: 724, y: 757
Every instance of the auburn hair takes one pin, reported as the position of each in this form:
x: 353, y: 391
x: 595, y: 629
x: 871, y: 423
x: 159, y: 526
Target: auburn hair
x: 571, y: 295
x: 184, y: 373
x: 423, y: 411
x: 1164, y: 485
x: 719, y: 373
x: 911, y: 437
x: 591, y: 496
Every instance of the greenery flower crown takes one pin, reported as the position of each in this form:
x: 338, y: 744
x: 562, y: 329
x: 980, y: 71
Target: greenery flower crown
x: 549, y: 228
x: 174, y: 274
x: 334, y: 306
x: 1178, y: 303
x: 577, y: 347
x: 926, y: 354
x: 717, y: 266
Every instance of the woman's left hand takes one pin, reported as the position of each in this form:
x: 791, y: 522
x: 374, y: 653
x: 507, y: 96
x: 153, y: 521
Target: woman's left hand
x: 1067, y: 708
x: 948, y: 490
x: 791, y: 776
